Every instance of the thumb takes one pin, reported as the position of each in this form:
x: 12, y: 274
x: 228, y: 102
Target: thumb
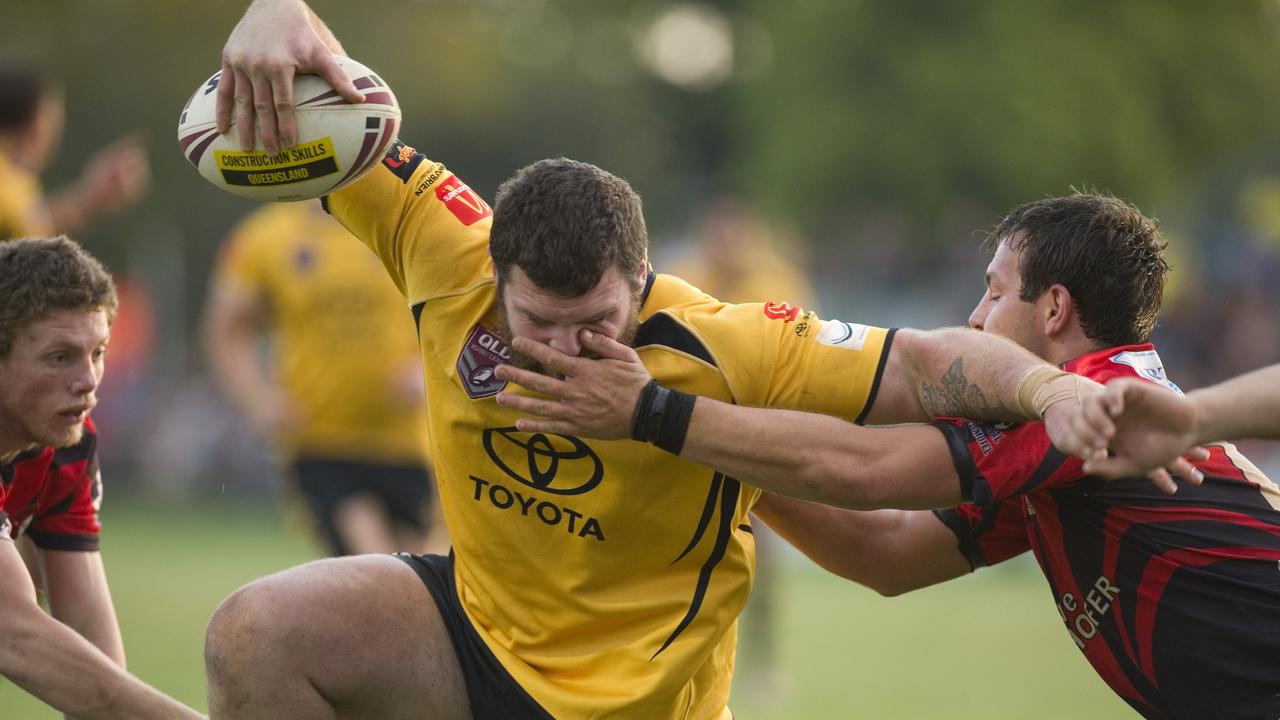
x: 607, y: 347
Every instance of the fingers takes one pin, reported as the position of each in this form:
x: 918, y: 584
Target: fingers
x: 1184, y: 469
x: 558, y: 427
x: 606, y: 347
x: 328, y: 68
x: 1161, y: 478
x: 533, y: 381
x: 244, y: 110
x: 1111, y: 468
x: 1198, y: 453
x: 1099, y: 428
x: 225, y: 98
x: 286, y: 120
x: 1113, y: 398
x: 264, y: 111
x: 532, y: 405
x: 549, y: 357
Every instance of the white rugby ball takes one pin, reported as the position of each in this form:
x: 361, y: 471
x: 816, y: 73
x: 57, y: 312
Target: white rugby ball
x: 337, y: 141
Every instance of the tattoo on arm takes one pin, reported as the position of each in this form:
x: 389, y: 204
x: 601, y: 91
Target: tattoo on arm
x: 956, y: 396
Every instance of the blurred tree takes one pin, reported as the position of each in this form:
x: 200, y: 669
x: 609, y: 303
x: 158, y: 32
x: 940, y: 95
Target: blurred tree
x: 909, y: 105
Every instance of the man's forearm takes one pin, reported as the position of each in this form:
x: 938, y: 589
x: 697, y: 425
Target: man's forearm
x: 52, y: 662
x: 958, y: 372
x: 80, y: 599
x: 1244, y: 407
x: 823, y: 459
x: 777, y: 450
x: 889, y: 551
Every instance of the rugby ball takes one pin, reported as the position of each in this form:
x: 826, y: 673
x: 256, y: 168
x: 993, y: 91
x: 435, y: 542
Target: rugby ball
x: 338, y: 141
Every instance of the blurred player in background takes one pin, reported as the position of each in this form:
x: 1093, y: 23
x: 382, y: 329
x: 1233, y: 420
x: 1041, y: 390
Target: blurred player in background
x: 31, y: 122
x: 342, y: 396
x: 1146, y: 426
x: 56, y: 308
x: 738, y: 256
x: 1174, y: 599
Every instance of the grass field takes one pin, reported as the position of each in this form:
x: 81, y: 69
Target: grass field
x: 990, y: 646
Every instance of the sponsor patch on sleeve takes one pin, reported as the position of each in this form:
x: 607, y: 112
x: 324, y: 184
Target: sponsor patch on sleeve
x: 781, y: 311
x: 1148, y: 365
x: 462, y: 201
x: 838, y: 333
x: 402, y: 160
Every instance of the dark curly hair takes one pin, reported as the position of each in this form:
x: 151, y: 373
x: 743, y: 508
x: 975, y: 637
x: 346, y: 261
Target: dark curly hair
x: 564, y: 223
x: 1106, y: 253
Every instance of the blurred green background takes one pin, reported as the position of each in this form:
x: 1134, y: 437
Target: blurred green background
x: 877, y: 140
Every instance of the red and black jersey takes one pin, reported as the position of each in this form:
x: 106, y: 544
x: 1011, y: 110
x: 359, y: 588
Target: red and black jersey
x: 52, y: 495
x: 1174, y: 599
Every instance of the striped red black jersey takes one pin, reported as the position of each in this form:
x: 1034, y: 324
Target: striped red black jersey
x: 52, y: 495
x: 1174, y: 599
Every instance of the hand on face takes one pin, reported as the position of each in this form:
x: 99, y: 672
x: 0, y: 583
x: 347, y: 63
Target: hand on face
x: 273, y: 42
x: 590, y: 398
x: 1147, y: 427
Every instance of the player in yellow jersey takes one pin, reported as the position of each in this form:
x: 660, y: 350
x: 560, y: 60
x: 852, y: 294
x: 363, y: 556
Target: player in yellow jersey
x: 588, y: 579
x: 31, y: 120
x: 342, y: 399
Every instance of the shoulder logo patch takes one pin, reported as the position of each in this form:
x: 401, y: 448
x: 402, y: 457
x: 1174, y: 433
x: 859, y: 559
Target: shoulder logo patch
x: 1148, y: 366
x: 780, y: 311
x: 838, y: 333
x: 482, y: 353
x: 402, y: 160
x: 462, y: 201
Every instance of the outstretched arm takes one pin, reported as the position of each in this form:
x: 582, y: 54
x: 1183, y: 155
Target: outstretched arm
x: 1147, y: 425
x: 275, y: 40
x: 51, y: 661
x: 803, y: 455
x: 958, y: 372
x: 889, y: 551
x: 115, y: 178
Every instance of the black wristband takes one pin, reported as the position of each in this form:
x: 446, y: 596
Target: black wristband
x: 644, y: 420
x: 675, y: 422
x: 662, y: 417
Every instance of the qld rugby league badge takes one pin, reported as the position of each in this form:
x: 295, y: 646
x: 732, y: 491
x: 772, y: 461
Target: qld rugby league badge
x: 483, y: 352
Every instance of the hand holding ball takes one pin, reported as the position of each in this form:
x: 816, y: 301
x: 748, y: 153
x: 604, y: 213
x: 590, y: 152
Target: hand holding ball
x: 337, y: 142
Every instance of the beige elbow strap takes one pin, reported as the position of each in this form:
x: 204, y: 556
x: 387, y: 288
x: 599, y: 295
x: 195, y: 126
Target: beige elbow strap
x: 1042, y: 386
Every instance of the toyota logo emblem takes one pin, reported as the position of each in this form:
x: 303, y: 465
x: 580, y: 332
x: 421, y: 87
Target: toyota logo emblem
x: 556, y: 464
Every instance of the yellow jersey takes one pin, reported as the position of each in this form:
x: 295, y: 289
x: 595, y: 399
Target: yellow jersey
x: 342, y: 337
x: 605, y: 576
x: 22, y: 209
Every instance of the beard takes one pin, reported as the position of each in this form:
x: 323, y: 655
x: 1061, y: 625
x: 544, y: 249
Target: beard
x: 518, y: 359
x: 59, y: 436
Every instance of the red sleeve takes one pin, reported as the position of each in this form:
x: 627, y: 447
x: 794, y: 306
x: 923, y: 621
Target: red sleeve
x: 67, y: 516
x: 987, y: 535
x: 999, y: 461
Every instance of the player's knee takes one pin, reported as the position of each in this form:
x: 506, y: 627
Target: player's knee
x: 241, y: 630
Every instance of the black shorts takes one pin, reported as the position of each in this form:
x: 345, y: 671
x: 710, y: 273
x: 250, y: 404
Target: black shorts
x: 404, y: 492
x: 493, y: 693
